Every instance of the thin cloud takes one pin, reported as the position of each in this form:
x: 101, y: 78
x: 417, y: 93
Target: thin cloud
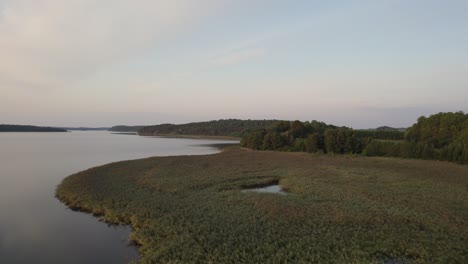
x: 56, y: 42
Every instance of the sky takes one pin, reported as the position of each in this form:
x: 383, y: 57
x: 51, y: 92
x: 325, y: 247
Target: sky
x: 363, y: 63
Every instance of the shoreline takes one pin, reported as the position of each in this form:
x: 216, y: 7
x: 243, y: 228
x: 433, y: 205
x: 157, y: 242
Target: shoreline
x: 100, y: 213
x: 190, y: 136
x: 101, y: 216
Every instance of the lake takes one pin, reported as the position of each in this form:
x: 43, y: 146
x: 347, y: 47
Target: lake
x: 34, y: 226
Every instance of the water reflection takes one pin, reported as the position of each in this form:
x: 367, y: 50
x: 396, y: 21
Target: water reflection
x: 34, y: 226
x: 267, y: 189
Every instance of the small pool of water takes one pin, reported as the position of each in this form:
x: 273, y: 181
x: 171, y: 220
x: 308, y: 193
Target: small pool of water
x: 267, y: 189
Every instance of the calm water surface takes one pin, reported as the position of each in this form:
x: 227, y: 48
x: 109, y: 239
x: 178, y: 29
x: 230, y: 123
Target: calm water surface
x: 34, y: 226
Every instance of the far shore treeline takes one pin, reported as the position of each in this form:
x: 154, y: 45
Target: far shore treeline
x: 442, y: 136
x: 23, y: 128
x: 223, y: 127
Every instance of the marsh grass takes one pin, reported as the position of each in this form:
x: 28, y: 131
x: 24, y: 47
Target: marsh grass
x: 339, y: 209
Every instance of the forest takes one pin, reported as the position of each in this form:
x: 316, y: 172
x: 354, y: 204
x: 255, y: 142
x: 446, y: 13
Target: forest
x: 23, y: 128
x: 223, y: 127
x: 442, y: 136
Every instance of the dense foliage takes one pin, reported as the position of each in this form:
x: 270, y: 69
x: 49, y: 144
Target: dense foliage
x: 439, y: 130
x: 22, y: 128
x: 442, y: 136
x: 286, y: 135
x: 223, y: 127
x: 381, y: 134
x: 339, y: 209
x: 314, y: 136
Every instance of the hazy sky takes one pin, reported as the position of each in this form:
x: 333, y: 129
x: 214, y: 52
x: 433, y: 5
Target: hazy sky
x: 357, y: 63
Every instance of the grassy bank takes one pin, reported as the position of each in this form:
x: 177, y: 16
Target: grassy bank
x: 339, y: 209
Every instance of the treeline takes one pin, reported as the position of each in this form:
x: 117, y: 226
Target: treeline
x: 443, y: 136
x: 453, y: 152
x: 286, y: 135
x: 224, y: 127
x: 439, y: 130
x: 314, y: 137
x: 387, y: 128
x: 23, y: 128
x: 381, y: 134
x: 125, y: 128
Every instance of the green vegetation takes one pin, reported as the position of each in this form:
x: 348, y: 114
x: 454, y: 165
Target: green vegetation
x: 125, y: 128
x: 440, y: 130
x: 339, y: 209
x: 314, y: 136
x: 224, y: 128
x: 22, y: 128
x: 380, y: 134
x: 443, y: 136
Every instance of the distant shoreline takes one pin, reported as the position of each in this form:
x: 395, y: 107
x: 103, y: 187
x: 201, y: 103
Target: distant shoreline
x: 190, y: 136
x: 26, y: 128
x: 1, y: 131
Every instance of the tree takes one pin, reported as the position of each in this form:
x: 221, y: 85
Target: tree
x: 297, y: 129
x: 273, y: 141
x: 281, y: 126
x: 438, y: 130
x: 331, y: 141
x: 299, y: 145
x: 312, y: 143
x: 254, y: 140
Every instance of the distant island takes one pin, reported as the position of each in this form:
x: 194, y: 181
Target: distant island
x: 122, y: 128
x: 387, y: 128
x: 86, y: 128
x: 224, y: 128
x: 27, y: 128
